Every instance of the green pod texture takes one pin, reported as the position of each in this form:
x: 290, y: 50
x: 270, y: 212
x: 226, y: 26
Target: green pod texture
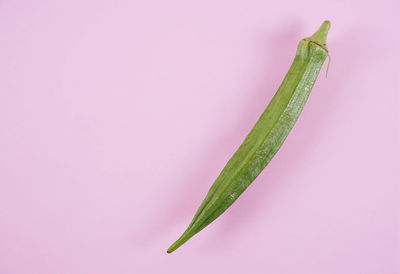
x: 267, y: 135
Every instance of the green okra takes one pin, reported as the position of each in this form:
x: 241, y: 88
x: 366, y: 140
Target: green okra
x: 267, y: 135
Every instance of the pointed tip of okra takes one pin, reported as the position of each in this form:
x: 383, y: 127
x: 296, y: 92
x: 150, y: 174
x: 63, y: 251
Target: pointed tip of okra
x: 183, y: 239
x: 320, y: 35
x: 176, y: 245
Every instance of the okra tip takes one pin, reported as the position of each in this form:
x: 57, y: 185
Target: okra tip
x: 183, y: 239
x: 175, y: 246
x: 320, y: 35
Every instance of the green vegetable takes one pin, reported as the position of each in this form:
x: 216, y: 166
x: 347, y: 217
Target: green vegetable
x: 267, y: 136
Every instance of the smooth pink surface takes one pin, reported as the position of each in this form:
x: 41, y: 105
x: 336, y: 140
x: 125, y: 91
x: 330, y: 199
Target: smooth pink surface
x: 116, y: 117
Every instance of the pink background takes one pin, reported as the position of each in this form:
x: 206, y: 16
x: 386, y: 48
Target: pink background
x: 116, y: 117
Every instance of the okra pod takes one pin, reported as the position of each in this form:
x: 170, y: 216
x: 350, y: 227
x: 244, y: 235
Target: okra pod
x: 267, y: 135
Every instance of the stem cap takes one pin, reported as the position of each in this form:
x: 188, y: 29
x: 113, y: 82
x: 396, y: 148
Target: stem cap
x: 320, y: 35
